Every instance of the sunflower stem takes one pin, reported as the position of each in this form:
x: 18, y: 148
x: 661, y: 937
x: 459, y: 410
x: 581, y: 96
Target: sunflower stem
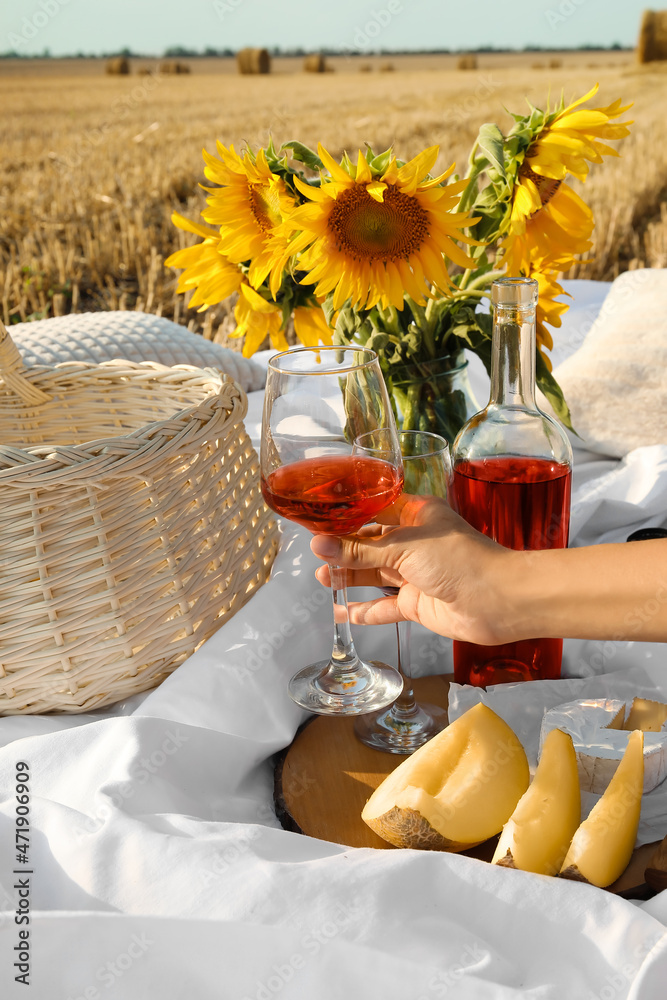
x: 468, y: 293
x: 428, y: 330
x: 464, y: 279
x: 483, y: 279
x: 418, y: 312
x: 469, y: 193
x: 471, y: 158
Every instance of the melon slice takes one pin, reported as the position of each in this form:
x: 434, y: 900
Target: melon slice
x: 456, y: 791
x: 539, y: 831
x: 602, y: 846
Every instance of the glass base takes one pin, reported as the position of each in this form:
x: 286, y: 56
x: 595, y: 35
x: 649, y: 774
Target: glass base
x: 386, y: 731
x: 324, y: 689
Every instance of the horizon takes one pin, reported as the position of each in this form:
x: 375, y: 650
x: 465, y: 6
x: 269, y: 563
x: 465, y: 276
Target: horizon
x: 278, y: 52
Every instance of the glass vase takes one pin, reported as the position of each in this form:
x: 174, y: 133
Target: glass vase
x: 434, y: 395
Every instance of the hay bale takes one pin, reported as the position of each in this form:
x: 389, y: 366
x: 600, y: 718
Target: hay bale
x: 468, y: 61
x: 652, y: 43
x: 120, y: 66
x: 387, y: 67
x: 252, y: 61
x: 173, y: 67
x: 555, y: 63
x: 365, y: 68
x: 315, y: 63
x: 144, y: 71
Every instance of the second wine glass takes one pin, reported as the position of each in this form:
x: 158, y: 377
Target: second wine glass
x: 408, y: 724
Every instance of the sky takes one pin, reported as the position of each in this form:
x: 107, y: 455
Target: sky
x: 150, y: 26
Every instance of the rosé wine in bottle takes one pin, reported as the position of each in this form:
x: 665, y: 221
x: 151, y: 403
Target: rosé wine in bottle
x: 512, y: 479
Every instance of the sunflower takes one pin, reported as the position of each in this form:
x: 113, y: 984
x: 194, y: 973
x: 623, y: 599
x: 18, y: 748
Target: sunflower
x: 546, y: 212
x: 206, y: 269
x: 570, y: 137
x: 249, y: 207
x: 371, y: 236
x: 256, y: 319
x: 546, y: 215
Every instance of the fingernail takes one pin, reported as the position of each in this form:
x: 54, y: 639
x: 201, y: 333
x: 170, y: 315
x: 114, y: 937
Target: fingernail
x: 325, y: 546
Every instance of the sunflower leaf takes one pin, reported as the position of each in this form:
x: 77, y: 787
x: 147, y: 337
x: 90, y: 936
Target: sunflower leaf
x: 553, y: 393
x: 348, y: 329
x: 489, y: 225
x: 378, y: 342
x: 303, y: 154
x: 328, y: 309
x: 490, y: 140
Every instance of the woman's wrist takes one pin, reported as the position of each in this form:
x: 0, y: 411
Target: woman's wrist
x: 514, y: 595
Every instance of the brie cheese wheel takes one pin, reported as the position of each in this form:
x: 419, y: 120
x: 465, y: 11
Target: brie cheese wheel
x: 599, y: 741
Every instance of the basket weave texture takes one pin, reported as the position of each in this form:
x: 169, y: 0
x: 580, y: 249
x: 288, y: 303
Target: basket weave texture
x: 132, y: 525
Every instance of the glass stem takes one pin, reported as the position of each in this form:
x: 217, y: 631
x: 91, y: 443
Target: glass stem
x: 405, y: 705
x: 344, y: 654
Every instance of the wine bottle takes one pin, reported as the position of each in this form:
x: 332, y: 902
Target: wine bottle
x: 511, y: 479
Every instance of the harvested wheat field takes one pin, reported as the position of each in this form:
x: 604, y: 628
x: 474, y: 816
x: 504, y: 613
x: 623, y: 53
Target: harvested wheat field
x: 92, y: 165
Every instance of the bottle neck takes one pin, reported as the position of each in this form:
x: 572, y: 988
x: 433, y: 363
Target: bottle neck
x: 513, y: 357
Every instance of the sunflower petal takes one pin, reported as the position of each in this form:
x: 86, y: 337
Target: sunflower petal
x: 334, y: 169
x: 376, y: 190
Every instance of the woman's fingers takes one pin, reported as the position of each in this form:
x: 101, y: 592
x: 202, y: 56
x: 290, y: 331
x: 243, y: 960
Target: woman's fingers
x: 383, y: 611
x: 384, y: 552
x: 362, y: 577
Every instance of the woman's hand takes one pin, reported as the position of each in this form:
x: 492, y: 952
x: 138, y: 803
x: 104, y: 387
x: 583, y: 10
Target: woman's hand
x: 450, y: 576
x: 459, y: 583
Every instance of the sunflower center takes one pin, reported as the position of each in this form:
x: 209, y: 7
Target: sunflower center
x: 546, y: 186
x: 265, y: 205
x: 365, y: 229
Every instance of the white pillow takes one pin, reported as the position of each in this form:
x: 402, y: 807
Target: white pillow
x: 616, y: 383
x: 133, y: 336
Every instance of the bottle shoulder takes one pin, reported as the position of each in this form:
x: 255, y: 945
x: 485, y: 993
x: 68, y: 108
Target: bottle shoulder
x: 512, y: 430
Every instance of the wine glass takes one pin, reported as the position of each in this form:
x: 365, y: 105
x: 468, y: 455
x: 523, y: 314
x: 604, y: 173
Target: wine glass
x: 318, y: 400
x: 407, y: 724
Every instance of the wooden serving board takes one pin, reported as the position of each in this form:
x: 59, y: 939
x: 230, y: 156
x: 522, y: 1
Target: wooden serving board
x: 325, y: 777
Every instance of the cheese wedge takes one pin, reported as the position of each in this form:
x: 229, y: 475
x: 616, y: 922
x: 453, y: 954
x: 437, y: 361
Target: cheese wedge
x: 600, y: 736
x: 649, y: 716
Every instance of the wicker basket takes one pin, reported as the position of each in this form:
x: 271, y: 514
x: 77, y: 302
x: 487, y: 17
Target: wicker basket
x: 131, y: 526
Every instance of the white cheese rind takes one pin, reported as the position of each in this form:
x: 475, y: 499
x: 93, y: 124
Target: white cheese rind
x: 599, y: 749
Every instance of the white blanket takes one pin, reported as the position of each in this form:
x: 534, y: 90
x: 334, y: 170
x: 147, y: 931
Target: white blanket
x: 157, y: 868
x: 616, y: 382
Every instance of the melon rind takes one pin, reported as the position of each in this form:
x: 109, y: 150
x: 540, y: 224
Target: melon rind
x: 408, y: 828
